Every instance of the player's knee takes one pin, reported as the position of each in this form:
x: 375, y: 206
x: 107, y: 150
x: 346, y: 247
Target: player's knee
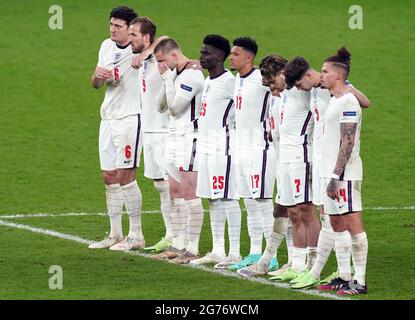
x: 110, y: 177
x: 280, y: 211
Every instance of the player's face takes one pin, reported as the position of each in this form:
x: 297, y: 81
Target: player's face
x: 275, y: 83
x: 118, y: 30
x: 136, y: 38
x: 328, y: 76
x: 168, y: 58
x: 305, y: 83
x: 209, y: 57
x: 239, y: 58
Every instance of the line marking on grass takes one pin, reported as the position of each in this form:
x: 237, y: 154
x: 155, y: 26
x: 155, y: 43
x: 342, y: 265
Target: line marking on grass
x: 72, y: 214
x: 225, y: 273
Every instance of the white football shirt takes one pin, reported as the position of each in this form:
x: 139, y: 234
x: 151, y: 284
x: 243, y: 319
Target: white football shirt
x: 274, y: 122
x: 345, y: 109
x: 319, y: 101
x: 251, y: 111
x: 122, y: 96
x: 150, y: 84
x: 295, y: 126
x: 188, y: 84
x: 217, y: 115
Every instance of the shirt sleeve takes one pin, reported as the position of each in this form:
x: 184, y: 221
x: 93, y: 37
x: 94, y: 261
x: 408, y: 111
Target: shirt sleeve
x: 191, y: 84
x: 101, y: 62
x: 350, y: 111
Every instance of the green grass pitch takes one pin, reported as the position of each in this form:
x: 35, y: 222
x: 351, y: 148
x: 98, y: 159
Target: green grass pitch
x: 49, y: 142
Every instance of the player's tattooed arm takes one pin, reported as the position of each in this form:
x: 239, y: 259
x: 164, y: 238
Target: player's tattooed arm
x: 360, y: 96
x: 347, y: 133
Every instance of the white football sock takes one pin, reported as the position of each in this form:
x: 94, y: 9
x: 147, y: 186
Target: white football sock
x: 133, y: 200
x: 324, y: 246
x: 266, y: 208
x: 343, y: 245
x: 311, y: 257
x: 254, y: 226
x: 299, y: 256
x: 233, y: 216
x: 289, y: 242
x: 165, y: 205
x: 194, y: 224
x: 178, y: 223
x: 217, y: 224
x: 359, y: 256
x: 274, y: 242
x: 115, y: 202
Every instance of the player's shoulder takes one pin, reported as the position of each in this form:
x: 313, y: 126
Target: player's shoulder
x: 107, y: 43
x: 351, y: 100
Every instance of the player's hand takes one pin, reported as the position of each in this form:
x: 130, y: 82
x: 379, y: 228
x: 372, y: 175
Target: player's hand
x: 102, y: 73
x: 138, y: 60
x: 270, y: 136
x: 194, y: 64
x: 162, y: 67
x: 332, y: 189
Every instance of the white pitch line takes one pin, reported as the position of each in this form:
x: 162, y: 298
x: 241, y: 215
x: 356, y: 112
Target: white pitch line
x: 203, y: 268
x: 72, y: 214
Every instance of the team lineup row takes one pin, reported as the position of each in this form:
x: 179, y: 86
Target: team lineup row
x: 228, y: 137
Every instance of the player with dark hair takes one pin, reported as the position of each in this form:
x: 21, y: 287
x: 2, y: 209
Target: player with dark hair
x: 271, y: 68
x: 342, y: 175
x: 299, y: 73
x: 120, y: 132
x: 255, y: 158
x: 142, y: 33
x: 216, y: 174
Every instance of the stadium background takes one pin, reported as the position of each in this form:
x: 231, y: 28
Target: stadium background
x: 49, y: 132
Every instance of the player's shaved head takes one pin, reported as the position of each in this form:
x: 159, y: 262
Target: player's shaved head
x: 247, y: 43
x: 341, y: 60
x: 295, y: 71
x: 218, y: 42
x: 166, y: 46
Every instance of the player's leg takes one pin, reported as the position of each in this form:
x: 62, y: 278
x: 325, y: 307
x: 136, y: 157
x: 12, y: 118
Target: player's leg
x: 359, y: 247
x: 248, y: 186
x: 265, y: 202
x: 128, y: 140
x: 279, y: 231
x: 155, y: 169
x: 233, y: 215
x: 113, y: 192
x: 210, y: 185
x: 194, y: 217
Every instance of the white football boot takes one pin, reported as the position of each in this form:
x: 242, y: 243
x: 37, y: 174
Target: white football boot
x: 129, y: 243
x: 108, y: 242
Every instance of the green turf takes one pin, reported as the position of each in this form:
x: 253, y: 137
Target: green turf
x: 50, y: 119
